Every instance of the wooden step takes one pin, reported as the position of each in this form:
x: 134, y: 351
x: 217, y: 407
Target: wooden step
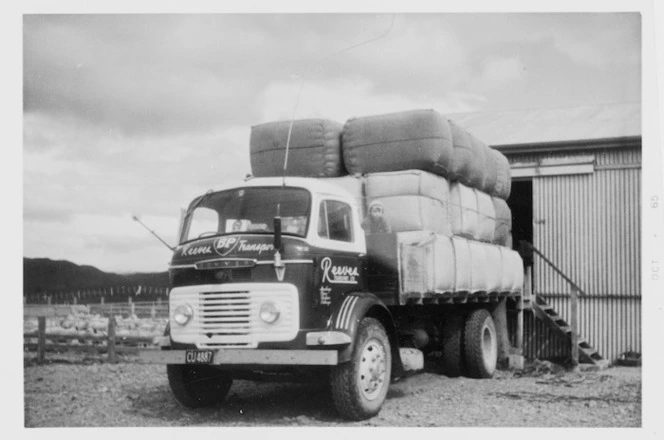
x: 557, y: 323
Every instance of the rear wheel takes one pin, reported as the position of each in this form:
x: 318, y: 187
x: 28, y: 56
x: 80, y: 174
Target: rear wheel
x: 359, y: 387
x: 480, y: 344
x: 453, y: 361
x: 198, y: 386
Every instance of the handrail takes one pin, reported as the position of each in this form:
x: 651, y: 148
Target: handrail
x: 574, y: 303
x: 553, y: 266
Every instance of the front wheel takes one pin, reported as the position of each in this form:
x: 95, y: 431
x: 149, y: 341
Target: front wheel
x: 359, y: 387
x: 198, y: 386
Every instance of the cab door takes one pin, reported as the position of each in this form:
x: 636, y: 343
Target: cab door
x: 339, y: 247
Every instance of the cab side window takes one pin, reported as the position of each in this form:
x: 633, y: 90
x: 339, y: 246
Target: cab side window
x: 335, y: 221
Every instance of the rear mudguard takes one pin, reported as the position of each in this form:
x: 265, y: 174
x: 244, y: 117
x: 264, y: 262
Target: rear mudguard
x: 347, y: 316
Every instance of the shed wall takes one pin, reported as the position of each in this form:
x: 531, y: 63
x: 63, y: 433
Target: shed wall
x: 589, y: 225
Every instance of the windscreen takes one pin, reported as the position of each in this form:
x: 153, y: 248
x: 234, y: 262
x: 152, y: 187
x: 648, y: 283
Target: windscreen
x: 248, y: 210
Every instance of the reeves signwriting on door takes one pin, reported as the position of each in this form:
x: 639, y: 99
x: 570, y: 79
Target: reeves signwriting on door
x: 338, y: 274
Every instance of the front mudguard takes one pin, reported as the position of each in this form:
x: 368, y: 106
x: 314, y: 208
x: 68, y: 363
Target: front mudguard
x: 347, y: 316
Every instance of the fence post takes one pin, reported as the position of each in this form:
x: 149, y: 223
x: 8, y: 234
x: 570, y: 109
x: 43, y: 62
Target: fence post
x: 41, y: 339
x: 575, y: 327
x: 153, y: 311
x: 102, y: 300
x: 112, y: 355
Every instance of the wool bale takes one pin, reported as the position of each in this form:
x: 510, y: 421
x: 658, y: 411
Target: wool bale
x: 413, y: 200
x: 478, y: 166
x: 513, y: 270
x: 444, y: 265
x: 418, y: 139
x: 314, y: 151
x: 518, y: 273
x: 503, y: 221
x: 416, y: 261
x: 486, y: 217
x: 503, y: 184
x: 508, y: 275
x: 415, y: 213
x: 463, y: 210
x: 462, y: 154
x: 492, y: 158
x: 408, y: 182
x: 478, y: 265
x: 463, y: 271
x: 494, y: 268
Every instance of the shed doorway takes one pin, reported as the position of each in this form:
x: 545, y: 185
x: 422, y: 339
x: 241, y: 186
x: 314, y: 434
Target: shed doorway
x: 520, y: 202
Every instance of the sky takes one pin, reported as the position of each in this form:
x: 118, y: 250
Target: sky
x: 137, y: 114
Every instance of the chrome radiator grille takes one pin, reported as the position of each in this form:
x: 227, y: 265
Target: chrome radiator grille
x: 227, y: 315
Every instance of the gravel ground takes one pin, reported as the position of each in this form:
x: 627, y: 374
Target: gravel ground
x: 86, y: 392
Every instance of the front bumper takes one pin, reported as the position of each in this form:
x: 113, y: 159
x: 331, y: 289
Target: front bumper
x: 227, y: 356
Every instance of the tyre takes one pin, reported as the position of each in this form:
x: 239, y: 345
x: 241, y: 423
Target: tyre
x: 359, y: 387
x: 480, y: 344
x: 453, y: 361
x: 198, y: 386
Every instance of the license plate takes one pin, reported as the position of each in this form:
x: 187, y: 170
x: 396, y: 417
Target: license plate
x: 198, y: 356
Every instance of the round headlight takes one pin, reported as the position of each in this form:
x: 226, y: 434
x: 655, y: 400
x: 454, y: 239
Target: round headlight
x: 183, y: 314
x: 269, y: 312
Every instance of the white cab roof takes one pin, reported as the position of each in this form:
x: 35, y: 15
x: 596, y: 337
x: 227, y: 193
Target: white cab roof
x: 313, y: 184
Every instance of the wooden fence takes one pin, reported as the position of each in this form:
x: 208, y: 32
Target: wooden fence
x: 98, y: 295
x: 111, y: 344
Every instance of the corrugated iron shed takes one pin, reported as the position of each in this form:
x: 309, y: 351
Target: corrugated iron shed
x: 559, y: 125
x: 583, y: 165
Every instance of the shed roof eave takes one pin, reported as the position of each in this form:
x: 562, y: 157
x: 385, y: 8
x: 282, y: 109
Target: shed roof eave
x: 572, y: 145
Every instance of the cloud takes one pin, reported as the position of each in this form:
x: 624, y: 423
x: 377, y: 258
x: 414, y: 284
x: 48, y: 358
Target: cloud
x: 91, y: 171
x: 111, y: 243
x: 138, y: 114
x: 340, y: 100
x: 135, y: 74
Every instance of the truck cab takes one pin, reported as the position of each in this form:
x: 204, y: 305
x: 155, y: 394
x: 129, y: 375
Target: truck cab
x: 269, y: 275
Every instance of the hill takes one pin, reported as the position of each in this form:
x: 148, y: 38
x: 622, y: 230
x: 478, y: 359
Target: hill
x: 46, y: 275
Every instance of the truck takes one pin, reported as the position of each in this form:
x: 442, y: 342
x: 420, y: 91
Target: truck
x: 274, y: 277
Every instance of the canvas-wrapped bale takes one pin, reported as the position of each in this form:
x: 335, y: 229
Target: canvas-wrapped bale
x: 462, y: 168
x: 463, y: 210
x: 486, y: 217
x: 508, y: 275
x: 503, y: 221
x: 314, y: 150
x: 478, y: 264
x: 463, y: 271
x: 417, y: 139
x: 444, y: 264
x: 503, y: 184
x: 475, y: 177
x: 413, y: 200
x: 490, y: 170
x: 494, y: 268
x: 518, y: 271
x: 513, y: 270
x: 416, y: 261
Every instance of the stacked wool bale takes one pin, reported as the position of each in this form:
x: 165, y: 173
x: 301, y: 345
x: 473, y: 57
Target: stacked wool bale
x: 314, y: 150
x: 441, y: 187
x: 470, y: 217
